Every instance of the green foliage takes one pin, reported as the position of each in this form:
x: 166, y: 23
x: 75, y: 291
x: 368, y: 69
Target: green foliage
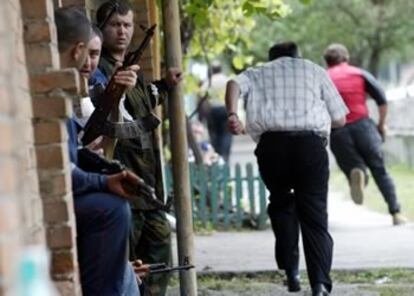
x: 373, y: 30
x: 192, y: 83
x: 213, y: 27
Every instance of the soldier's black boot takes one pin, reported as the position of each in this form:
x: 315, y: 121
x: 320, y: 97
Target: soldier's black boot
x: 292, y: 280
x: 320, y: 290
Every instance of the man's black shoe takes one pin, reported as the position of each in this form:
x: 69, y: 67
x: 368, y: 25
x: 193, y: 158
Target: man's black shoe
x: 319, y: 290
x: 293, y: 283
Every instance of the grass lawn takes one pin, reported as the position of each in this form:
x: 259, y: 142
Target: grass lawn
x: 404, y: 182
x: 385, y: 282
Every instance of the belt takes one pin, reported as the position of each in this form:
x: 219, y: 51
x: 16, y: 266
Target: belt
x: 295, y: 134
x: 292, y: 133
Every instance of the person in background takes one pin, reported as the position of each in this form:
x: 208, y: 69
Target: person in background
x: 215, y: 109
x: 358, y: 144
x: 209, y: 155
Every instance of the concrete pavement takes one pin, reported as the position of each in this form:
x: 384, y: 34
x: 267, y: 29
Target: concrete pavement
x: 363, y: 238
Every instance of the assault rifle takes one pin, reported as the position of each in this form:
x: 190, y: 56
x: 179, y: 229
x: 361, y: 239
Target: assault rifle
x: 94, y: 163
x: 113, y: 93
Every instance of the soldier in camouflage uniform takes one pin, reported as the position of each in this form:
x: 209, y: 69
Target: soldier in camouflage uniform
x: 151, y: 238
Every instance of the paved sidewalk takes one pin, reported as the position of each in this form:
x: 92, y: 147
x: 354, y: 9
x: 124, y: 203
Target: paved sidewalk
x: 363, y: 239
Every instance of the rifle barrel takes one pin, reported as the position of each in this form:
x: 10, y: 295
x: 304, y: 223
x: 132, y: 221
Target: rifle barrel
x: 157, y: 266
x: 171, y: 269
x: 134, y: 56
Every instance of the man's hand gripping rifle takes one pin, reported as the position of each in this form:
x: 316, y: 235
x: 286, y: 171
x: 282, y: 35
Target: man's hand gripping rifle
x: 93, y: 162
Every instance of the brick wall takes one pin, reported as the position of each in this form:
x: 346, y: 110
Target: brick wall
x: 35, y: 100
x: 21, y: 220
x: 52, y: 90
x: 36, y: 205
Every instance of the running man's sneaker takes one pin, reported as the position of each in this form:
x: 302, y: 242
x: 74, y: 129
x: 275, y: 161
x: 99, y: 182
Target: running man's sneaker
x: 357, y: 184
x: 398, y: 219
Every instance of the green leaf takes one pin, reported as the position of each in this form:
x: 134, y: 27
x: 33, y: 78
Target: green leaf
x: 201, y: 19
x: 238, y: 62
x: 223, y: 28
x: 247, y: 8
x: 232, y: 47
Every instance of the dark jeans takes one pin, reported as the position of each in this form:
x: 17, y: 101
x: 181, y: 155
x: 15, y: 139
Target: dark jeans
x: 103, y: 223
x: 220, y: 137
x: 295, y: 169
x: 358, y: 145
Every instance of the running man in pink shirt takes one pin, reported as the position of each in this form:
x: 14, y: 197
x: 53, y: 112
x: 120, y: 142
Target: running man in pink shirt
x: 358, y: 145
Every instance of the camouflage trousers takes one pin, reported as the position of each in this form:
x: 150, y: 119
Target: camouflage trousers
x: 150, y: 242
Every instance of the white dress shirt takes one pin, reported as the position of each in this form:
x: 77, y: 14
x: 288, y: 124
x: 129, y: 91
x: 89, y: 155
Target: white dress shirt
x: 289, y: 94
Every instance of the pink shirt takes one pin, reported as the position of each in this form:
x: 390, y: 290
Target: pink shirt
x: 350, y: 82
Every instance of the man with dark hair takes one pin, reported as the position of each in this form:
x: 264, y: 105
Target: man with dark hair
x: 358, y: 144
x: 151, y: 239
x: 101, y: 208
x: 286, y: 49
x: 118, y: 32
x: 215, y: 109
x: 290, y: 106
x: 122, y: 8
x: 74, y: 32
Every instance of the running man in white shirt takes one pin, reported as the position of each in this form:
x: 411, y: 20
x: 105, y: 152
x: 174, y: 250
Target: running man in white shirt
x: 291, y: 105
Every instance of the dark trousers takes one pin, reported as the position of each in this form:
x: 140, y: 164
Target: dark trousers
x: 358, y: 145
x: 103, y: 224
x: 151, y: 242
x: 294, y: 168
x: 220, y: 137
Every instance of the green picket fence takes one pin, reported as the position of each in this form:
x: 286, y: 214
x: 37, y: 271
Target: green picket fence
x: 225, y: 200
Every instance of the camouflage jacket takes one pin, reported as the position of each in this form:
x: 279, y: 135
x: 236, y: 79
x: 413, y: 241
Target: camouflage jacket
x: 142, y: 154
